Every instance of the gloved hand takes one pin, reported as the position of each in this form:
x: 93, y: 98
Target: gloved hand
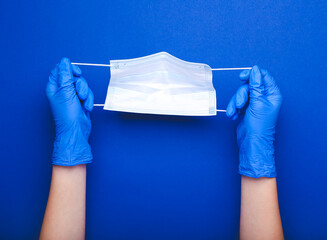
x: 71, y: 101
x: 260, y: 99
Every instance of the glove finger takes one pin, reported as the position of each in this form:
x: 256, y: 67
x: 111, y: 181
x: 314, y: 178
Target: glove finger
x: 263, y: 72
x: 269, y: 83
x: 256, y: 86
x: 268, y: 80
x: 77, y: 72
x: 54, y: 75
x: 89, y: 101
x: 245, y: 74
x: 231, y: 107
x: 52, y: 84
x: 65, y: 73
x: 242, y: 96
x: 82, y: 88
x: 235, y: 116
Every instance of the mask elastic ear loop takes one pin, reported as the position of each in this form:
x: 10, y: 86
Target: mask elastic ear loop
x: 108, y: 65
x: 213, y: 69
x: 91, y: 64
x: 230, y: 69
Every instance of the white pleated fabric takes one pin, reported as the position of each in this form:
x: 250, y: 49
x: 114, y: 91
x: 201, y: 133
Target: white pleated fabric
x: 161, y: 84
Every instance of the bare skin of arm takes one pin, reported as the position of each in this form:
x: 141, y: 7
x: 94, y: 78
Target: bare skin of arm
x: 260, y: 217
x: 65, y: 213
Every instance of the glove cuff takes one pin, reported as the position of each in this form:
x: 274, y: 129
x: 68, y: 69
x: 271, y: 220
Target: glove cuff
x: 71, y: 149
x: 257, y: 157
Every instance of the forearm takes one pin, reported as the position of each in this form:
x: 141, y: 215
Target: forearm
x: 65, y: 213
x: 260, y: 217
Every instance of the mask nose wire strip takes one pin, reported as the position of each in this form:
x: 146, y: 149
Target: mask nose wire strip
x: 108, y: 65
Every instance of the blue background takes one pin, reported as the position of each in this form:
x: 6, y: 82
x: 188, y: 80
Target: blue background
x: 163, y: 177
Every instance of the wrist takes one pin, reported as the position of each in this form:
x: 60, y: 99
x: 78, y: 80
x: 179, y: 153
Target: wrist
x: 71, y: 148
x: 256, y: 156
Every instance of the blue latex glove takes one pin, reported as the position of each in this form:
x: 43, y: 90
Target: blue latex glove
x: 260, y: 99
x: 71, y: 101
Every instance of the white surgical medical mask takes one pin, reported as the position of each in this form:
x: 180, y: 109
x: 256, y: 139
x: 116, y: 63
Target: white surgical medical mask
x: 161, y: 84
